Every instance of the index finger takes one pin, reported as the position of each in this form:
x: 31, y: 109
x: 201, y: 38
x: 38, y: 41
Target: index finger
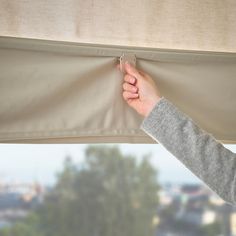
x: 132, y: 71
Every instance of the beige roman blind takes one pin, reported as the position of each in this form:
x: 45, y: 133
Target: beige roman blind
x: 58, y: 76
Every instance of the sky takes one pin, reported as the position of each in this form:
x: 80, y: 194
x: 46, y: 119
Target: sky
x: 40, y: 162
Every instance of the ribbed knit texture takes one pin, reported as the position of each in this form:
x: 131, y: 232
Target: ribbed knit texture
x: 198, y: 150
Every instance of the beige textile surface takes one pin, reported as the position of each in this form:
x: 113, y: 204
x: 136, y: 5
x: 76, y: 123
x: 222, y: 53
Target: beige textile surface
x: 69, y: 92
x: 184, y: 24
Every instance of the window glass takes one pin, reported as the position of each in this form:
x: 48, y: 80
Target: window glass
x: 105, y: 189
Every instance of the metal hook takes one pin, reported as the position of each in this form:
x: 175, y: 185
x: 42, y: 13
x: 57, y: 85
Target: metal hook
x: 127, y: 57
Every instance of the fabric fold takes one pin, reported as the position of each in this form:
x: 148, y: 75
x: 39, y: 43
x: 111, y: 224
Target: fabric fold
x: 67, y: 92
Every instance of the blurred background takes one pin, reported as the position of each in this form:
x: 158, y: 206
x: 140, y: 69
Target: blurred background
x: 104, y: 190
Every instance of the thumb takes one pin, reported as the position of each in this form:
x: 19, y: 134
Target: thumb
x: 131, y: 70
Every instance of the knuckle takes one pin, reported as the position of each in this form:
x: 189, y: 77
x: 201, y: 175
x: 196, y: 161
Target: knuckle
x: 126, y: 78
x: 124, y: 95
x: 124, y: 86
x: 134, y: 89
x: 131, y: 79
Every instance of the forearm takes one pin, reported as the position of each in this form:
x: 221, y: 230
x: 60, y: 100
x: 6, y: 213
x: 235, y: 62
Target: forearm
x: 198, y: 150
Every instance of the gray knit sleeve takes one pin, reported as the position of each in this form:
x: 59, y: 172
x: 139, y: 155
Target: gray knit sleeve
x: 198, y: 150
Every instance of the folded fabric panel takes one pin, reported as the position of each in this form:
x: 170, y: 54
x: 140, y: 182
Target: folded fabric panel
x: 61, y: 92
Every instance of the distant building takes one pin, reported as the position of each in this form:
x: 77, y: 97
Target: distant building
x: 193, y: 200
x: 164, y: 198
x: 17, y: 199
x: 233, y: 223
x: 197, y: 216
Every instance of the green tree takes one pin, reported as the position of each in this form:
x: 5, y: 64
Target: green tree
x: 29, y: 227
x: 112, y: 194
x: 211, y: 229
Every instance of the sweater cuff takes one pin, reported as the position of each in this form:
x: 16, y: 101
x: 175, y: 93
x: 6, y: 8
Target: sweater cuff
x: 155, y: 122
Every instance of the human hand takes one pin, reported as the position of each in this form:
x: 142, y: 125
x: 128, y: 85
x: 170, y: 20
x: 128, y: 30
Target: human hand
x: 140, y: 90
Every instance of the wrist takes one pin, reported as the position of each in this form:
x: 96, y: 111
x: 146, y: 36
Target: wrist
x: 151, y: 105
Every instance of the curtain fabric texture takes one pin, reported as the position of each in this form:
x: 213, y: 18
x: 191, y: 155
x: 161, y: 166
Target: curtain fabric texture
x: 61, y: 92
